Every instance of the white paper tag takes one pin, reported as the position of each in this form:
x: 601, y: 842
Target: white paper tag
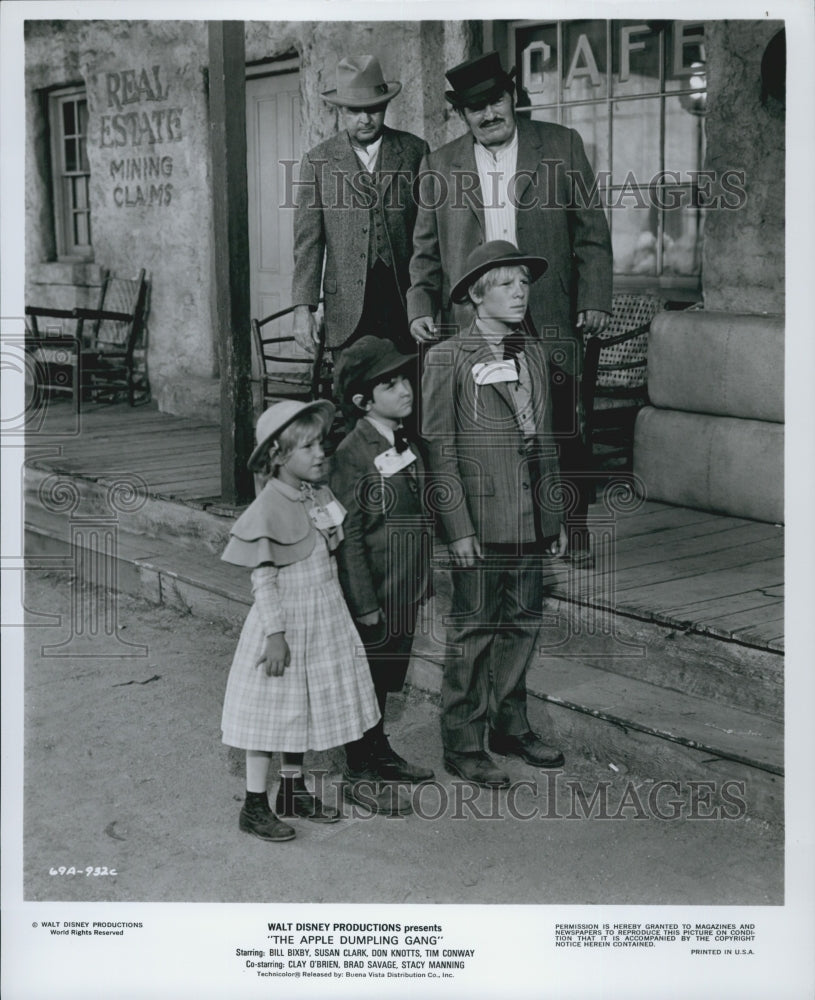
x: 487, y: 372
x: 329, y: 516
x: 391, y: 461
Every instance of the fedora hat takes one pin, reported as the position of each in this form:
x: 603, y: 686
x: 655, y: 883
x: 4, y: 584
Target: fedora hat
x: 360, y: 84
x: 496, y: 253
x: 367, y: 360
x: 280, y: 415
x: 478, y: 80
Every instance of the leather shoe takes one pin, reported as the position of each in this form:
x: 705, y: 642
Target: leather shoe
x: 364, y: 787
x: 529, y: 747
x: 294, y: 799
x: 262, y: 822
x: 475, y: 766
x: 386, y: 763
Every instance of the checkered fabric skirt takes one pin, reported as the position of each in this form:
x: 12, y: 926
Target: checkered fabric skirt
x: 325, y: 697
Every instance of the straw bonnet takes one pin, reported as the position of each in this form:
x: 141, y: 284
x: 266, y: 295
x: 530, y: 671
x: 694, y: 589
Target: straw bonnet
x: 280, y: 415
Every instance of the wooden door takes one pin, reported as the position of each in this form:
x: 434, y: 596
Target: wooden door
x: 272, y: 135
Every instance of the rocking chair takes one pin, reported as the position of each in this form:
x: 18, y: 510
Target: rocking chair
x: 103, y: 355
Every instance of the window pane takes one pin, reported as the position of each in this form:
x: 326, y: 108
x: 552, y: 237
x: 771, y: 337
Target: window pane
x: 68, y: 118
x: 71, y: 157
x: 684, y: 136
x: 82, y: 236
x: 584, y: 60
x: 685, y: 55
x: 634, y: 239
x: 635, y: 58
x: 546, y: 115
x: 682, y: 235
x: 537, y: 65
x: 591, y: 122
x: 80, y: 192
x: 636, y: 141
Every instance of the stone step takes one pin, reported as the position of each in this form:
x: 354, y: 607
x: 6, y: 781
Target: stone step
x: 195, y: 525
x: 633, y: 730
x: 706, y: 666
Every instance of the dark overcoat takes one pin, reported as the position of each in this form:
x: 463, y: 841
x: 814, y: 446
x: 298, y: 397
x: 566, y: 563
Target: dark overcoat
x: 556, y: 219
x: 384, y: 559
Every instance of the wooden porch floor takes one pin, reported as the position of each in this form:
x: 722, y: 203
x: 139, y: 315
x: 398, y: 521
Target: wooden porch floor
x: 718, y: 575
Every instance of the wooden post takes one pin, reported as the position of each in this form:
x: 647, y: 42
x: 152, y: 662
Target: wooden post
x: 227, y: 129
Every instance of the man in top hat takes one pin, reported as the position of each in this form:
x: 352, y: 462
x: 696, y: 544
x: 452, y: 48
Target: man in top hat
x: 528, y: 183
x: 488, y: 433
x: 353, y: 225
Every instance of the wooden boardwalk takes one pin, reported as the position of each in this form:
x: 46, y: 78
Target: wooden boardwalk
x: 719, y: 575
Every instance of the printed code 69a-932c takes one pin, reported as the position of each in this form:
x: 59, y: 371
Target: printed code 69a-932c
x: 88, y: 870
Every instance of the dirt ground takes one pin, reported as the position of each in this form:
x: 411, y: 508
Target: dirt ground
x: 124, y: 769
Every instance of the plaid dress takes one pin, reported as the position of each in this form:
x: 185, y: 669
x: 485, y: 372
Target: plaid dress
x: 325, y: 696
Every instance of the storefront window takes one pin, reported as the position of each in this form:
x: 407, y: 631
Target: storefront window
x: 68, y: 119
x: 635, y: 91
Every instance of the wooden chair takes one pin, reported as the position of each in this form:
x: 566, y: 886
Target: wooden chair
x: 103, y: 355
x: 615, y: 379
x: 286, y: 370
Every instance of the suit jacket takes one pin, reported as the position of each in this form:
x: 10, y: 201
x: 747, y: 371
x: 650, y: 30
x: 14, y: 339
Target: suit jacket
x: 551, y: 223
x: 332, y: 223
x: 384, y: 559
x: 476, y: 452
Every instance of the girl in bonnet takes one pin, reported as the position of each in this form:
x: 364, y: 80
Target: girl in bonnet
x: 296, y: 682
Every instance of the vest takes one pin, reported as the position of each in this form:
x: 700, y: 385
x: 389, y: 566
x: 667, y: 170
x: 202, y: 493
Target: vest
x: 378, y: 243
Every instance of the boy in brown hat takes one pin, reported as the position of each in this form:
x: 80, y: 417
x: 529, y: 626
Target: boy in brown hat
x: 487, y: 424
x: 384, y: 560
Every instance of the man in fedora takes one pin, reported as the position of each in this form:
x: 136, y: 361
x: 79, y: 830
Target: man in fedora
x: 353, y: 225
x: 510, y: 178
x: 488, y: 433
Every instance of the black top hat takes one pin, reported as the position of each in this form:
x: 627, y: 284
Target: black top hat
x: 367, y: 360
x: 496, y: 253
x: 478, y: 80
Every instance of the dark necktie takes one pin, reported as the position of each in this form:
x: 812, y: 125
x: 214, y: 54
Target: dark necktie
x: 400, y: 441
x: 513, y: 346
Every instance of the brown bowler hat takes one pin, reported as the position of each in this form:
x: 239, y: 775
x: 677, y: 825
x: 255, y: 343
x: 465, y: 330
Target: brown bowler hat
x: 361, y: 84
x: 496, y: 253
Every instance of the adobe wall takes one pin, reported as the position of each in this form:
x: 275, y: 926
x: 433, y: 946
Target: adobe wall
x: 743, y: 249
x: 148, y: 147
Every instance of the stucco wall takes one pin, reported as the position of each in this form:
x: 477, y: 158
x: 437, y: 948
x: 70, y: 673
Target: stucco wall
x: 414, y: 52
x: 147, y: 104
x: 743, y: 252
x: 149, y: 188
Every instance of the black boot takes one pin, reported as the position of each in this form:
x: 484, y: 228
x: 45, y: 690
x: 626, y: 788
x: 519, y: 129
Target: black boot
x: 365, y: 787
x: 391, y: 767
x: 294, y: 799
x: 258, y: 819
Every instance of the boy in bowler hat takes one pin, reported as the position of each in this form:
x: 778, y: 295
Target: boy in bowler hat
x: 487, y: 425
x: 384, y: 560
